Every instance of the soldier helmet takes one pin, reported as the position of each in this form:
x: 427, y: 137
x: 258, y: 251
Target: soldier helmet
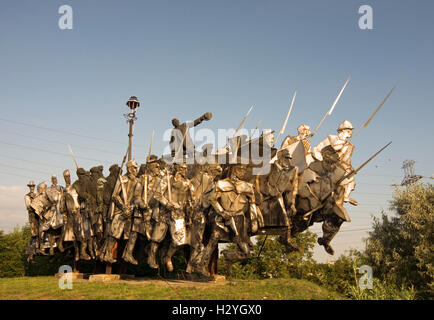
x: 152, y: 158
x: 31, y: 183
x: 81, y: 171
x: 94, y: 169
x: 345, y: 125
x: 267, y: 132
x: 113, y: 167
x: 302, y: 128
x: 132, y: 163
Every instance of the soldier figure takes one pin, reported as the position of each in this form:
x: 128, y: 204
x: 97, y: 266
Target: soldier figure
x: 174, y: 195
x: 281, y: 181
x: 321, y: 195
x: 232, y: 200
x: 40, y: 204
x: 33, y: 218
x: 122, y: 213
x: 145, y: 202
x: 70, y: 212
x: 345, y: 151
x: 203, y: 184
x: 181, y: 137
x: 96, y: 189
x: 109, y: 187
x: 85, y: 201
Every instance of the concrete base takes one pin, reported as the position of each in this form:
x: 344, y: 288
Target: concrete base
x: 75, y: 275
x: 200, y: 278
x: 219, y: 278
x: 110, y: 277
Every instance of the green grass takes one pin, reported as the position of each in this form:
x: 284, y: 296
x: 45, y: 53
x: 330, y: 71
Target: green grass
x: 46, y: 288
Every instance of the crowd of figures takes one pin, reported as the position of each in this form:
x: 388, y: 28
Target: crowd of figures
x: 168, y: 205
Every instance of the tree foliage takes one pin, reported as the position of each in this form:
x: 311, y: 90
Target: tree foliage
x: 272, y: 261
x: 400, y: 248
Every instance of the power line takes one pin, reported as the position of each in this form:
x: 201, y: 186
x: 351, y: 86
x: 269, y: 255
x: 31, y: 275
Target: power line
x: 61, y: 131
x: 60, y: 142
x: 19, y: 168
x: 53, y: 152
x: 17, y: 175
x: 30, y: 161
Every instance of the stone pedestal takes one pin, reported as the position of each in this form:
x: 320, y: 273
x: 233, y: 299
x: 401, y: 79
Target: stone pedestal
x: 110, y: 277
x: 74, y: 275
x: 219, y: 278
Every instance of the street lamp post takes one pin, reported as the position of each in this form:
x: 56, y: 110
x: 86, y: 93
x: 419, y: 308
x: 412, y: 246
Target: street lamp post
x: 133, y: 103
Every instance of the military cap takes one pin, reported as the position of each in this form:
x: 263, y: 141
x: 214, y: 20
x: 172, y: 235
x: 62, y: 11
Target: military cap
x: 113, y: 167
x: 152, y: 158
x: 81, y: 171
x: 94, y: 169
x: 31, y: 183
x: 132, y: 163
x: 345, y: 125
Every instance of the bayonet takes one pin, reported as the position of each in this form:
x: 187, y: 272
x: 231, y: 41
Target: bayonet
x: 369, y: 120
x: 333, y: 105
x: 287, y: 117
x: 242, y: 122
x: 73, y: 156
x: 354, y: 172
x: 254, y: 131
x: 150, y: 145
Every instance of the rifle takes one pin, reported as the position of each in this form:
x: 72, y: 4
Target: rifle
x: 307, y: 215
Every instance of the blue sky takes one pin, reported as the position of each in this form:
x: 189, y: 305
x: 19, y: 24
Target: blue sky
x: 184, y: 58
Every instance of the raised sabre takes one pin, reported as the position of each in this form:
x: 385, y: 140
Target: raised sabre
x: 333, y: 105
x: 287, y: 116
x: 369, y: 120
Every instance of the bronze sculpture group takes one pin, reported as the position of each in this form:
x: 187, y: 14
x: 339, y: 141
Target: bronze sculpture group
x: 198, y: 203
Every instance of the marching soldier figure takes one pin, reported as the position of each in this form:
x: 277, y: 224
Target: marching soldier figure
x: 40, y: 204
x: 123, y: 213
x: 109, y: 187
x: 320, y: 196
x: 96, y: 189
x: 303, y: 135
x: 33, y: 218
x: 145, y: 204
x: 281, y: 181
x: 232, y: 200
x: 203, y: 184
x: 85, y: 201
x: 345, y: 151
x: 174, y: 195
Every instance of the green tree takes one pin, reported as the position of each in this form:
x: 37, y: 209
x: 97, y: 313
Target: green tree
x: 400, y: 249
x: 270, y: 260
x: 12, y: 252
